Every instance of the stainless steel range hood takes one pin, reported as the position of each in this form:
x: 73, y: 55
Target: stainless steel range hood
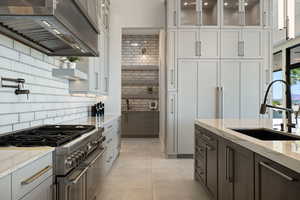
x: 55, y: 27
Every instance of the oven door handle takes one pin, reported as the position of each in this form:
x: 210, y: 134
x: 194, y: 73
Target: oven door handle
x: 75, y: 180
x: 98, y: 156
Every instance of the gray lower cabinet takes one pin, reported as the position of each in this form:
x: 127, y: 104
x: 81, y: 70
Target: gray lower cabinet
x: 42, y: 192
x: 206, y: 161
x: 5, y: 187
x: 231, y: 172
x: 275, y: 182
x: 236, y: 172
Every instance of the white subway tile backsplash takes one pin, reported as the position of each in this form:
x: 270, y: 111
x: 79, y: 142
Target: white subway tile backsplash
x: 41, y: 115
x: 6, y: 41
x: 9, y: 53
x: 21, y: 126
x: 25, y: 117
x: 5, y: 129
x: 21, y: 47
x: 8, y: 119
x: 36, y: 123
x: 49, y: 100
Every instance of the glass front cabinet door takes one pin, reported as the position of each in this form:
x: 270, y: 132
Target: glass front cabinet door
x: 241, y: 12
x: 198, y: 12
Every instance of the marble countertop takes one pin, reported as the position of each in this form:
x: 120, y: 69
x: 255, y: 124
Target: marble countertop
x: 14, y: 158
x: 286, y: 153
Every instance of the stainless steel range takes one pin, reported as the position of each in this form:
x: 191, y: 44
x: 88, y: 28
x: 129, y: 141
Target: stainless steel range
x: 79, y: 157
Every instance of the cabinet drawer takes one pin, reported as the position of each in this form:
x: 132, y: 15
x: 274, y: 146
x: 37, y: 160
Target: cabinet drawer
x: 200, y: 175
x: 42, y: 192
x: 27, y: 178
x: 5, y: 187
x: 206, y: 136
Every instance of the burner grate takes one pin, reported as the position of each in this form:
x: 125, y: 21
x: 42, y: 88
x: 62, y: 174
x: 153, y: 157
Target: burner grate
x: 50, y: 135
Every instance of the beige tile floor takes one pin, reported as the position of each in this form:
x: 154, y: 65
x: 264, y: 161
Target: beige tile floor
x: 142, y: 173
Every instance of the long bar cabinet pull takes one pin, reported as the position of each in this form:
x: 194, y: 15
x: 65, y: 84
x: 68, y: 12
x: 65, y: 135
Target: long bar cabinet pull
x: 277, y: 171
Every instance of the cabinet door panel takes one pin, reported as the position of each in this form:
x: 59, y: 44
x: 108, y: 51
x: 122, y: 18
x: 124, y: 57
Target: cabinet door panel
x: 243, y: 174
x: 229, y: 43
x: 41, y: 192
x: 275, y: 182
x: 236, y: 172
x: 230, y: 82
x: 207, y: 85
x: 5, y: 187
x: 188, y: 12
x: 253, y: 43
x: 209, y: 43
x: 171, y: 60
x: 172, y: 14
x: 187, y: 105
x: 250, y: 89
x: 212, y: 170
x: 187, y: 43
x: 267, y: 13
x: 172, y: 123
x: 231, y: 11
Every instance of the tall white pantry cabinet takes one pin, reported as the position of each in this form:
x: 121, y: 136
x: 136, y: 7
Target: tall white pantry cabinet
x: 218, y: 62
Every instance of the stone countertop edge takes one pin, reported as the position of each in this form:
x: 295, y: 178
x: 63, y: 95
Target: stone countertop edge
x: 263, y: 148
x: 20, y: 157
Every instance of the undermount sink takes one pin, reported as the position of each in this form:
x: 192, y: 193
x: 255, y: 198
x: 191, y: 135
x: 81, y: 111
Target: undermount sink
x: 267, y: 134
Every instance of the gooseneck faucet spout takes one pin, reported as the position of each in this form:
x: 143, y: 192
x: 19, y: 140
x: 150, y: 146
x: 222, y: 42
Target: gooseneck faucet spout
x: 264, y: 105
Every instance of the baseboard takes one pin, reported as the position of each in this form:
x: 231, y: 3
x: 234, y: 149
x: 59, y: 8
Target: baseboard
x: 185, y: 156
x: 180, y: 156
x: 140, y: 136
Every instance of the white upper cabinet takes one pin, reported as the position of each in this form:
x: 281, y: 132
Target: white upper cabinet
x: 198, y: 13
x: 242, y: 12
x: 209, y: 43
x: 234, y: 13
x: 171, y: 60
x: 188, y: 43
x: 189, y: 13
x: 198, y: 43
x: 231, y: 12
x: 209, y: 12
x: 252, y: 46
x: 172, y: 14
x: 230, y: 43
x: 241, y: 43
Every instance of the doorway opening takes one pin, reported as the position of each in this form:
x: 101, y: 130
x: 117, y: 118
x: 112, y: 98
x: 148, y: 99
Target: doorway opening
x: 141, y: 60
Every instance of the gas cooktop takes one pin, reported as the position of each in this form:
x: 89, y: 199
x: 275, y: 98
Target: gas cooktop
x: 50, y: 135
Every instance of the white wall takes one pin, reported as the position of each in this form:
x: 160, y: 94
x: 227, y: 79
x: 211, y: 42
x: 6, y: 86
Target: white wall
x: 128, y: 14
x: 49, y: 101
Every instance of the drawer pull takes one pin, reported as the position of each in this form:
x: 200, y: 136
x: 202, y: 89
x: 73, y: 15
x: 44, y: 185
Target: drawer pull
x: 209, y: 148
x: 277, y: 171
x: 207, y: 137
x: 36, y: 176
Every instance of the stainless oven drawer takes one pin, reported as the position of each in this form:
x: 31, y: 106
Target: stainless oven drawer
x: 95, y: 173
x: 73, y: 186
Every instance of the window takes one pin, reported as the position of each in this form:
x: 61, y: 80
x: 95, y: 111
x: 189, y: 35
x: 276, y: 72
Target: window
x: 293, y: 77
x: 277, y: 98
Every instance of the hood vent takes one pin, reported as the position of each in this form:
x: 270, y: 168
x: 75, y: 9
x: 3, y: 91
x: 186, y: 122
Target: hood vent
x: 57, y: 28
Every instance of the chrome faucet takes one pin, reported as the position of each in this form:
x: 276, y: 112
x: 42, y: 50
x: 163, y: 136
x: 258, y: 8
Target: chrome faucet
x: 264, y: 106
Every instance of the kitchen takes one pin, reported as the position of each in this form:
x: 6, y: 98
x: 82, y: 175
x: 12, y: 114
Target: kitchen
x: 61, y: 100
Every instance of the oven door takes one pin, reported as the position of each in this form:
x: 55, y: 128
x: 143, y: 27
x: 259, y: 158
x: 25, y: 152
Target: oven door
x: 73, y: 186
x: 95, y: 173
